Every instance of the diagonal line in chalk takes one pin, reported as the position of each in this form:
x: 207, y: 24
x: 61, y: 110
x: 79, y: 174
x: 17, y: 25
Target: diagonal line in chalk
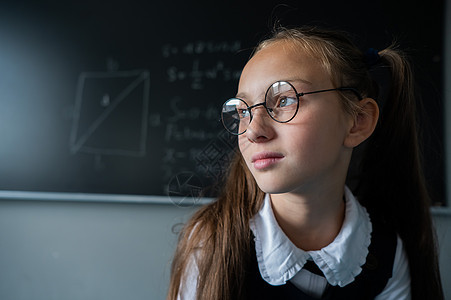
x: 108, y: 111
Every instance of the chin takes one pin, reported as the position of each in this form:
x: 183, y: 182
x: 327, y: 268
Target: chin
x: 271, y: 187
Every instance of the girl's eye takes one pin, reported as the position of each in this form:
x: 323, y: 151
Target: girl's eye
x: 242, y: 113
x: 286, y: 101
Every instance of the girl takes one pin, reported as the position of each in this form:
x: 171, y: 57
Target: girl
x: 286, y: 225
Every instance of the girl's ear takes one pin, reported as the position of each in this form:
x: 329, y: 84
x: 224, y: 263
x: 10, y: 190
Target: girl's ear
x: 364, y: 124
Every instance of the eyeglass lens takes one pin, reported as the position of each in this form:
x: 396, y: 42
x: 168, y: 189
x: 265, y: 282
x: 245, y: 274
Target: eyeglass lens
x: 281, y: 103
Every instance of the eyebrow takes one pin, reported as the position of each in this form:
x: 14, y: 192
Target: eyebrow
x: 297, y: 80
x: 290, y: 80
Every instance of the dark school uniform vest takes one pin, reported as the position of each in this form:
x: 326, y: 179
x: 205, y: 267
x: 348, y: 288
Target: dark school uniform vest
x: 375, y: 274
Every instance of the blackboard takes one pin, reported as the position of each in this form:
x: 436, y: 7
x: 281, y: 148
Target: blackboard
x: 124, y: 97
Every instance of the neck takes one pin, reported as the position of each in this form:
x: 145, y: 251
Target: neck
x: 310, y: 221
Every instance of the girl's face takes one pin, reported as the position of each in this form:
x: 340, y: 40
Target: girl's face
x: 308, y: 152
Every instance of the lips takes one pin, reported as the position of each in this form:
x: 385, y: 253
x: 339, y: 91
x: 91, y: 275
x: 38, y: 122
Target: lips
x: 265, y: 160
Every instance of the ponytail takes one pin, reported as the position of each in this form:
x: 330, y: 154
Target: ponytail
x: 392, y: 185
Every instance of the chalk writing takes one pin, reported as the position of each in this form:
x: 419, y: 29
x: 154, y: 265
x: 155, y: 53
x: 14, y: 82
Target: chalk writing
x: 177, y: 126
x: 196, y: 67
x: 199, y: 73
x: 201, y: 47
x: 184, y: 133
x: 210, y: 112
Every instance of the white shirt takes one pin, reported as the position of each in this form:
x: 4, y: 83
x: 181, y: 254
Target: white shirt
x: 279, y: 260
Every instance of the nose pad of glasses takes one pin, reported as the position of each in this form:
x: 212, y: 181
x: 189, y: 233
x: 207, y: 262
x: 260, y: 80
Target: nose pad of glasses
x: 260, y: 118
x: 271, y: 112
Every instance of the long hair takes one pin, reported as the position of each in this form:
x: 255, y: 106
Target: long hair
x: 390, y: 185
x: 218, y: 236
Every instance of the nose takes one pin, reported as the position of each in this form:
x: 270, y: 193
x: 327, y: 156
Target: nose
x: 260, y: 129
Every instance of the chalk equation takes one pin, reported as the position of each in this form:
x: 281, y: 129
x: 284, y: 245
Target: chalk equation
x: 199, y: 73
x: 208, y: 62
x: 201, y: 47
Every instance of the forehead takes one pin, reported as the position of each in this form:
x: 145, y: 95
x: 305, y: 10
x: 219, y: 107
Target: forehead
x: 282, y: 61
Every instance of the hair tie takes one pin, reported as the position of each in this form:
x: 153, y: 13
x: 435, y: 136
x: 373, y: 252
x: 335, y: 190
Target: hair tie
x: 371, y: 57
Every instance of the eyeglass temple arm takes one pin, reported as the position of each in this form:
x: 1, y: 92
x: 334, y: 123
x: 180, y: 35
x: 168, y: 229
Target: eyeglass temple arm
x: 353, y: 90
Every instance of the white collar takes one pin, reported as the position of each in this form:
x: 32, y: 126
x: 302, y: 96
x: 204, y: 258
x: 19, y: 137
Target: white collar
x: 279, y: 259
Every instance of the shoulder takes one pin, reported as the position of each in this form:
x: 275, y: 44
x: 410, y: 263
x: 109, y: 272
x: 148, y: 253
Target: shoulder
x: 187, y: 259
x: 188, y: 251
x: 398, y: 286
x: 188, y: 285
x: 388, y: 247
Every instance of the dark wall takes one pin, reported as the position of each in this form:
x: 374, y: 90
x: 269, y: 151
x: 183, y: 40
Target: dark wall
x: 123, y: 97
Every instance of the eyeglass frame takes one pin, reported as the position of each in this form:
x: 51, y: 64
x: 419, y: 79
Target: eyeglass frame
x: 249, y: 108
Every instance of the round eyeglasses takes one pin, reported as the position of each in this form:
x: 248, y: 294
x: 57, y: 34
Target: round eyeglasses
x: 281, y: 104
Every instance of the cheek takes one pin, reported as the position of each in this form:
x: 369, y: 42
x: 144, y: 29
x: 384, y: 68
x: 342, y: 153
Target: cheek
x: 303, y: 145
x: 316, y: 138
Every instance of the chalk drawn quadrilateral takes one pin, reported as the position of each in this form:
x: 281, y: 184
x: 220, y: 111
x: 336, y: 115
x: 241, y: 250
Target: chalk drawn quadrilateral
x: 111, y: 113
